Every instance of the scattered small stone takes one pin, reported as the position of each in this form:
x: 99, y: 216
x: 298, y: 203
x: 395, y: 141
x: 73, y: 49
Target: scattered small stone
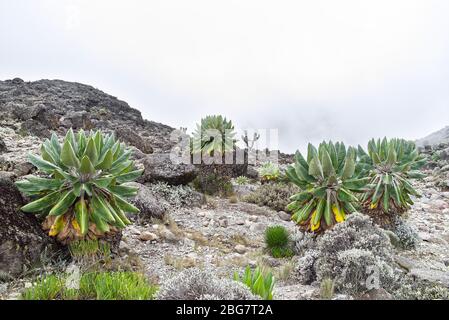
x: 209, y: 215
x: 168, y: 235
x: 223, y: 222
x: 253, y: 218
x: 257, y: 227
x: 134, y: 230
x: 240, y: 248
x: 189, y: 242
x: 148, y: 236
x: 405, y: 263
x: 284, y: 216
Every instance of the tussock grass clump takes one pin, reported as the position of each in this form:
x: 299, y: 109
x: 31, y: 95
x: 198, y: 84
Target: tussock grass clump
x: 277, y: 240
x: 276, y: 236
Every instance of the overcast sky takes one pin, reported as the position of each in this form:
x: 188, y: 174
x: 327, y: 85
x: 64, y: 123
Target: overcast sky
x: 346, y: 69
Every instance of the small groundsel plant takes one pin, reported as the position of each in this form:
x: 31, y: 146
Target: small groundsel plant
x: 93, y: 286
x: 269, y: 172
x: 259, y: 281
x: 390, y: 165
x: 215, y: 134
x: 328, y: 186
x: 241, y: 180
x: 81, y: 194
x: 277, y: 241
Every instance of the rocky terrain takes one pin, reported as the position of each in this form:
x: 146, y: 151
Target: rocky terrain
x: 433, y: 139
x: 179, y: 228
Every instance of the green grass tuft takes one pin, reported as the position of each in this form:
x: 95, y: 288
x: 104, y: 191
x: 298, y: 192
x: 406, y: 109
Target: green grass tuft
x: 93, y: 286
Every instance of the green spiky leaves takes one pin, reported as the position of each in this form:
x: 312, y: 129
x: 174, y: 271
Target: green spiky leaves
x: 327, y: 183
x: 390, y: 164
x: 269, y: 172
x: 83, y: 189
x: 214, y: 134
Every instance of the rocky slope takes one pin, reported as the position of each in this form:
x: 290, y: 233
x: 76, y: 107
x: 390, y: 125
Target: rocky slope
x: 433, y: 139
x: 178, y: 228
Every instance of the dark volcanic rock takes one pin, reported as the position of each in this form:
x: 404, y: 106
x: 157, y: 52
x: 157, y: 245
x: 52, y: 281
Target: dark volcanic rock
x: 132, y: 138
x: 148, y: 204
x: 22, y: 239
x: 55, y: 105
x: 2, y: 146
x: 159, y: 167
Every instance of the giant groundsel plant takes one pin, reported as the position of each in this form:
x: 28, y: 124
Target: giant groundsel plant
x: 215, y: 134
x: 80, y: 191
x: 390, y: 164
x: 327, y: 183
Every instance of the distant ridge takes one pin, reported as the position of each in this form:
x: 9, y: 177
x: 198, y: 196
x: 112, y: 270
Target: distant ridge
x: 440, y: 136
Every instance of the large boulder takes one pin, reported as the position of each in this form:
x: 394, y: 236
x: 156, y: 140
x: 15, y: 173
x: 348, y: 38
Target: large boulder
x: 159, y: 167
x: 149, y: 205
x: 22, y: 239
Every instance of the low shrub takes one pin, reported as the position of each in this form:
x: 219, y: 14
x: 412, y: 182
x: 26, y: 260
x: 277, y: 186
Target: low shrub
x: 353, y: 253
x: 408, y: 237
x: 273, y: 195
x: 196, y: 284
x: 410, y: 289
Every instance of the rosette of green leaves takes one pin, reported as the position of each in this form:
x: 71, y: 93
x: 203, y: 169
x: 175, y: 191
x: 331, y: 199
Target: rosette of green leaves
x: 269, y: 172
x: 390, y: 164
x: 327, y: 183
x: 82, y: 184
x: 215, y: 134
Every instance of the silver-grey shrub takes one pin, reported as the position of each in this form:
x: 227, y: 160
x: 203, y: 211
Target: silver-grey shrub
x: 349, y: 253
x: 196, y: 284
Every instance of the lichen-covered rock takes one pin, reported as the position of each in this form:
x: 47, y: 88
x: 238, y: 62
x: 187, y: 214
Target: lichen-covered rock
x: 196, y: 284
x: 159, y: 167
x: 22, y: 239
x: 177, y: 196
